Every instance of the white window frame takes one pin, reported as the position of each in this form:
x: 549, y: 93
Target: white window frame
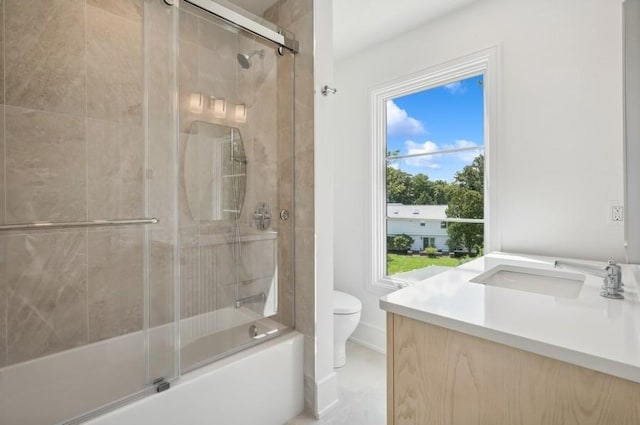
x: 484, y: 62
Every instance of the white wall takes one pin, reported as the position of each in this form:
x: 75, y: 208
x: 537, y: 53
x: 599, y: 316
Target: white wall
x: 326, y: 380
x: 560, y: 151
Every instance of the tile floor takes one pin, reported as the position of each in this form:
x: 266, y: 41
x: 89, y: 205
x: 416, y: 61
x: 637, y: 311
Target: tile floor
x: 361, y: 390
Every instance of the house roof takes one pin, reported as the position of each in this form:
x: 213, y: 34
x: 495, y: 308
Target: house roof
x: 417, y: 212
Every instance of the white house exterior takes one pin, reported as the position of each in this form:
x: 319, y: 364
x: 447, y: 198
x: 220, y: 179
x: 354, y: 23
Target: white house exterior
x: 426, y: 224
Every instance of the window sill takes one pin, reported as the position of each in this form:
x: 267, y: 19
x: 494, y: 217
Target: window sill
x: 390, y: 284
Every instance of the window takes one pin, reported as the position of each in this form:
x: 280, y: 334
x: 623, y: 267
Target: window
x: 431, y: 160
x: 428, y: 243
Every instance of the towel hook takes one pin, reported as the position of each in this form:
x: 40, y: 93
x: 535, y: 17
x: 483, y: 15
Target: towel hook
x: 326, y: 90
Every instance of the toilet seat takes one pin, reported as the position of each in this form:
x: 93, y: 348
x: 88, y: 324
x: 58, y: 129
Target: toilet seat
x: 344, y: 303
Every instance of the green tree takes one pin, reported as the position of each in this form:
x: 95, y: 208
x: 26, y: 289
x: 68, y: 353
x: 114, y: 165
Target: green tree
x: 399, y: 242
x: 399, y: 187
x: 441, y: 192
x: 467, y: 201
x: 422, y: 189
x: 471, y: 177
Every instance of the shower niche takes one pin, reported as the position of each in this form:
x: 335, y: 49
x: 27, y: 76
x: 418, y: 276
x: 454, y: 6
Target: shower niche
x: 215, y: 172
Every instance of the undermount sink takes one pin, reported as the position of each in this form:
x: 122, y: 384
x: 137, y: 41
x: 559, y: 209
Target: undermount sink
x: 539, y: 281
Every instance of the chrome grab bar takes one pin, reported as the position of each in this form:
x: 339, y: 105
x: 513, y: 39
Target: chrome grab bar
x: 94, y: 223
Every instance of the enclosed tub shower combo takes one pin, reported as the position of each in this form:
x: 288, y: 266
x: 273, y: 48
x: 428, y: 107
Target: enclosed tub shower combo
x: 146, y: 175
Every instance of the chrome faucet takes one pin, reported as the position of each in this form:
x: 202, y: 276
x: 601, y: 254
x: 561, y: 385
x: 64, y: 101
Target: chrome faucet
x: 261, y: 297
x: 611, y: 274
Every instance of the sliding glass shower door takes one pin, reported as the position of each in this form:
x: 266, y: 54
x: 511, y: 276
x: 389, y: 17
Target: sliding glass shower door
x: 146, y: 184
x: 235, y: 191
x: 87, y: 210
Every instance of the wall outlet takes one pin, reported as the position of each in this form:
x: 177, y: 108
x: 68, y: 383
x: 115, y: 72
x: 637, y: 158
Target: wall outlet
x: 616, y: 213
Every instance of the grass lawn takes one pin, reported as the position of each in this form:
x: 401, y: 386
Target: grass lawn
x: 404, y: 263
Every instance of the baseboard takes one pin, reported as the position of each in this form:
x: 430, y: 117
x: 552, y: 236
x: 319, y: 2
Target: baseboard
x: 321, y: 397
x: 327, y: 392
x: 370, y: 336
x: 327, y: 409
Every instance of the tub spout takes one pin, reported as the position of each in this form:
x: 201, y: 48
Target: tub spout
x: 261, y: 297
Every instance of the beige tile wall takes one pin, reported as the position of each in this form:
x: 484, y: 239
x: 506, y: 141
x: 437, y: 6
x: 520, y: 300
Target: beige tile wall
x: 2, y: 167
x: 115, y: 276
x: 2, y: 45
x: 46, y: 284
x: 72, y: 149
x: 45, y: 66
x: 297, y: 16
x: 45, y: 166
x: 114, y: 66
x: 3, y: 302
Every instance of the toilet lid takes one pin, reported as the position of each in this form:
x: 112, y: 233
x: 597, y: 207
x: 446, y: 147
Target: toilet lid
x: 345, y: 304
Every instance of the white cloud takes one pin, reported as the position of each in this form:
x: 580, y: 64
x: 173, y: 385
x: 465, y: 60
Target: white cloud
x: 466, y: 156
x: 455, y: 88
x: 431, y: 161
x: 400, y: 123
x: 422, y: 161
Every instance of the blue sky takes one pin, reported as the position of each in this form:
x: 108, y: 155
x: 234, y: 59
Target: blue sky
x: 445, y: 117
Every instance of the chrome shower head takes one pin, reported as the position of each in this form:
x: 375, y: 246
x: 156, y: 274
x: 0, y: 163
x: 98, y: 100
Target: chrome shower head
x: 244, y: 59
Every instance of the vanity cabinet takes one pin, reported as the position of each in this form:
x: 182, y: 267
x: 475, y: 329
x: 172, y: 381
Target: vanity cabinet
x: 437, y: 376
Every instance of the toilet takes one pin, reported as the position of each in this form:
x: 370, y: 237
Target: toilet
x: 346, y: 315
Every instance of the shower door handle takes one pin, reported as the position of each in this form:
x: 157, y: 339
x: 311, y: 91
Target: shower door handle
x: 66, y: 224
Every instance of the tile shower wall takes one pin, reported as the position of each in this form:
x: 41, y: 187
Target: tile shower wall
x: 297, y: 17
x: 72, y: 149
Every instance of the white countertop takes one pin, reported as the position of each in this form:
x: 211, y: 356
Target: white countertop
x: 589, y: 331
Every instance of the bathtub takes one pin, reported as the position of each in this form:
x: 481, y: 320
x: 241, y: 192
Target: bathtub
x: 265, y: 377
x: 262, y: 385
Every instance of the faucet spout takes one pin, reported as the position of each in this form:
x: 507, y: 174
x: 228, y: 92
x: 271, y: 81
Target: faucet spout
x: 611, y: 274
x: 261, y: 297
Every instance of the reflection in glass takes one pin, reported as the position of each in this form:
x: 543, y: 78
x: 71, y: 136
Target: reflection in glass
x: 216, y: 175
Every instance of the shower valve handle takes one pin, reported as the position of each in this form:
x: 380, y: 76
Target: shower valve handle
x: 262, y: 216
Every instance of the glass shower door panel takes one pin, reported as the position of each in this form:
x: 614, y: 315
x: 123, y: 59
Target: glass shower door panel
x: 161, y: 25
x: 236, y: 159
x: 75, y: 304
x: 72, y: 344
